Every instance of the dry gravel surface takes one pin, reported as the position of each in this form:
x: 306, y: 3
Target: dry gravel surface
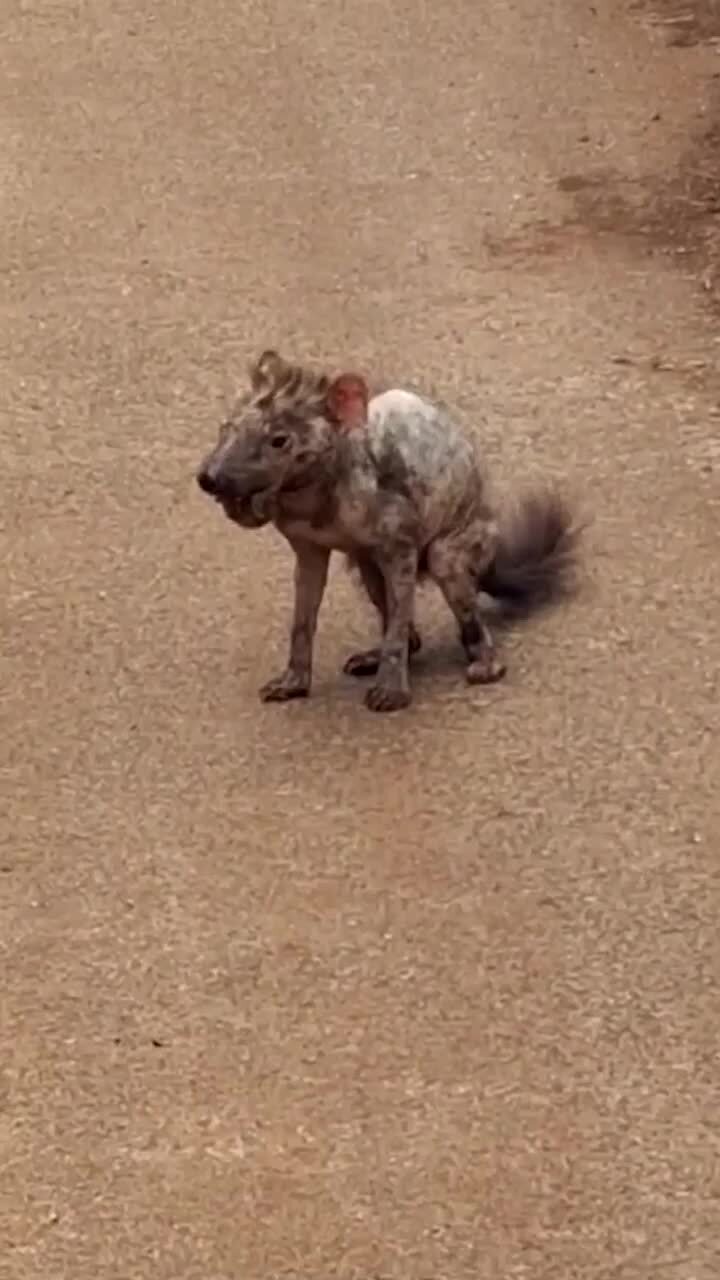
x: 303, y: 993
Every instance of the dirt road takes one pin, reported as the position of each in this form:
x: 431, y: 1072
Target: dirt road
x: 304, y: 992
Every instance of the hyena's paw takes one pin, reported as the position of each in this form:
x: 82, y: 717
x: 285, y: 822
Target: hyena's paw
x: 364, y: 663
x: 383, y: 697
x: 367, y: 661
x: 289, y: 685
x: 486, y: 670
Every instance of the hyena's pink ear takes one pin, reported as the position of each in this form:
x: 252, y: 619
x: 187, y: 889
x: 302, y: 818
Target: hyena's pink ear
x: 267, y: 370
x: 347, y: 401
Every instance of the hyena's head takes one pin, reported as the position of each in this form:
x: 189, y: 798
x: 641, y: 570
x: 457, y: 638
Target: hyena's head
x: 281, y: 436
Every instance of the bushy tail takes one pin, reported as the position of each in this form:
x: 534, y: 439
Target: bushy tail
x: 536, y: 560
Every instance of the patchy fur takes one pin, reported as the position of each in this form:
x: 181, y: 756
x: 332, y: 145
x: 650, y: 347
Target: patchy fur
x: 401, y: 494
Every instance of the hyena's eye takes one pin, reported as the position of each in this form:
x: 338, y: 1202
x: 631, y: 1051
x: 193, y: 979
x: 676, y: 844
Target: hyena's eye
x: 279, y: 440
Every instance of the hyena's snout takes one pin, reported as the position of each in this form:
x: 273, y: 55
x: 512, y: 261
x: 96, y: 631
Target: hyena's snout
x: 242, y: 498
x: 221, y: 478
x: 228, y: 477
x: 213, y: 480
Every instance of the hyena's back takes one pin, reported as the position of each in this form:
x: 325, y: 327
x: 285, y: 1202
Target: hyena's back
x: 417, y: 447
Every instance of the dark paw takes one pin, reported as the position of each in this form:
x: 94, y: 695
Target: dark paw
x: 285, y: 687
x: 367, y: 662
x: 486, y: 670
x: 383, y: 698
x: 363, y: 664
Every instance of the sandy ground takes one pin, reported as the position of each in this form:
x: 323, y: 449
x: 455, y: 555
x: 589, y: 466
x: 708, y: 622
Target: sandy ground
x: 304, y: 992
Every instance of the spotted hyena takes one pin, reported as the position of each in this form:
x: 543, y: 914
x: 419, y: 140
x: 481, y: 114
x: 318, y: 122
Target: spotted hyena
x: 393, y: 483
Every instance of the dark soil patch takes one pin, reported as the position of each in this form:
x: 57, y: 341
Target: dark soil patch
x: 677, y: 213
x: 687, y: 22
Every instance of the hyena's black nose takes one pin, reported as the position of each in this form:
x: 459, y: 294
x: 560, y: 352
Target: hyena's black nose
x: 209, y: 481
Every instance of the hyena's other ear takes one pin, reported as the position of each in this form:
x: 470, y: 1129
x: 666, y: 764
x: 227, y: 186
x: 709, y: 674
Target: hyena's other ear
x: 347, y: 401
x: 267, y: 370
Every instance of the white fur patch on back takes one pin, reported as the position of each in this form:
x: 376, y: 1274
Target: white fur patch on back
x: 397, y: 401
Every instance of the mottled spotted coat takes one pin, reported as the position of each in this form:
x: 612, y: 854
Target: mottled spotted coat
x: 397, y: 487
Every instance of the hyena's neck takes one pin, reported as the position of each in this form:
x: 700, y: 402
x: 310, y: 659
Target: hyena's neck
x: 308, y: 497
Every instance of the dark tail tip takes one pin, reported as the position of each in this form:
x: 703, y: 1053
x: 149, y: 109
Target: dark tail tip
x: 536, y: 560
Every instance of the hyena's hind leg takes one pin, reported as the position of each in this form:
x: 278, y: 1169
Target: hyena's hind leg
x: 456, y: 563
x: 367, y: 661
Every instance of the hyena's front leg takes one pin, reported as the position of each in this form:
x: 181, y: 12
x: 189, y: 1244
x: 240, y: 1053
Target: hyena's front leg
x: 391, y: 690
x: 311, y: 571
x: 367, y: 661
